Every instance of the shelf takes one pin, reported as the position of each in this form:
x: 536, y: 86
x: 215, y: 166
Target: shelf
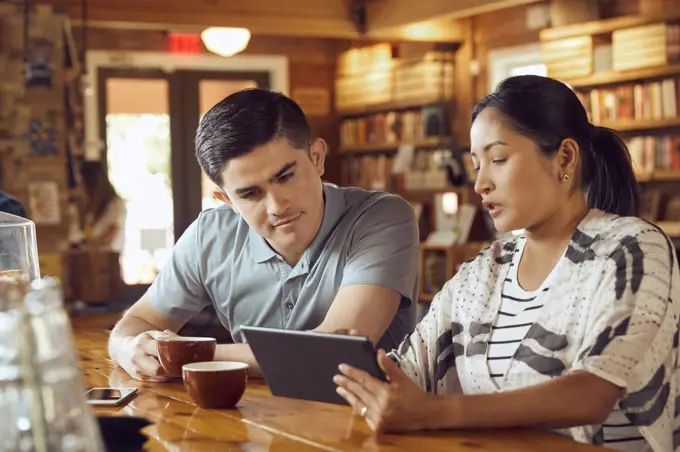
x: 610, y: 78
x: 466, y: 194
x: 392, y: 147
x: 659, y: 175
x: 630, y: 125
x: 391, y: 106
x: 430, y: 247
x: 598, y: 27
x: 671, y: 228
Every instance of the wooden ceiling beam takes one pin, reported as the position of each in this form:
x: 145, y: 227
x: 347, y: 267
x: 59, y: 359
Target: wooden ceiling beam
x: 298, y: 18
x: 445, y: 30
x: 310, y: 18
x: 391, y: 14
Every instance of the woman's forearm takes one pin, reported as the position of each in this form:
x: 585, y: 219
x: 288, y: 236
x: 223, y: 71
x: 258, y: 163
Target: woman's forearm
x: 240, y: 353
x: 580, y: 398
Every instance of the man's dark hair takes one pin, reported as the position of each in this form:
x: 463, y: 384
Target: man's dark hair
x: 244, y: 120
x: 9, y: 204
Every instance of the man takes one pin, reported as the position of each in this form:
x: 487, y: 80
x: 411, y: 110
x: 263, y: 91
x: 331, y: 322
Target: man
x: 286, y: 251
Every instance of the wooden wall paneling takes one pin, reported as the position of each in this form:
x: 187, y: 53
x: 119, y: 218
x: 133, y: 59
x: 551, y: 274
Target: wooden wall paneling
x: 495, y: 30
x: 320, y: 18
x: 508, y: 28
x: 314, y: 75
x: 311, y: 65
x: 464, y: 95
x: 303, y: 18
x: 393, y: 13
x: 648, y: 7
x: 566, y: 12
x: 121, y: 39
x: 314, y: 50
x: 616, y: 8
x: 432, y: 31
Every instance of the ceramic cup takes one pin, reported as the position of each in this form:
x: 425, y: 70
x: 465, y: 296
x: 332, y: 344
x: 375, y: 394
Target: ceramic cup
x: 176, y: 351
x: 215, y: 384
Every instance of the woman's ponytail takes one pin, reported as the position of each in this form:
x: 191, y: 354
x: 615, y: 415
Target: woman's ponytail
x: 608, y: 178
x: 548, y: 112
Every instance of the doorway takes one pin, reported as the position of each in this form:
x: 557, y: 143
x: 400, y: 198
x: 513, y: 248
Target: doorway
x: 147, y: 122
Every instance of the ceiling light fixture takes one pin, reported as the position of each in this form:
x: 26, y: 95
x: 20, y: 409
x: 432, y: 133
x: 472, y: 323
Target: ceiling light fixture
x: 225, y: 41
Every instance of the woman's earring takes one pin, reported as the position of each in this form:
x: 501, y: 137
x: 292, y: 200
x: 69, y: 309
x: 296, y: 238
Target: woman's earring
x: 565, y: 177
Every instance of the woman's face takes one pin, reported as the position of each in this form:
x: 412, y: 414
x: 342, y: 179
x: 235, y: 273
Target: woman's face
x: 519, y: 185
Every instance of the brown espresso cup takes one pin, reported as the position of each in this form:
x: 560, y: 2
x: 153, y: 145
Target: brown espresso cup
x: 176, y: 351
x: 215, y: 384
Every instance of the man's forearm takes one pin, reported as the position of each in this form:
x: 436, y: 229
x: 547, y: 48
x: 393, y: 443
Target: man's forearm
x: 128, y: 327
x: 240, y: 353
x: 547, y: 405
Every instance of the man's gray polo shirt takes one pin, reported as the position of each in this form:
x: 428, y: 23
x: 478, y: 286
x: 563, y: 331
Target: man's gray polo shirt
x: 365, y: 238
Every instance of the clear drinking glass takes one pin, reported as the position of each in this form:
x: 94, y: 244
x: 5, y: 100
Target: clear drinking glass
x: 42, y: 401
x: 18, y: 248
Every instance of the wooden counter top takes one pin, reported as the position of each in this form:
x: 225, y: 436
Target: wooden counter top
x: 264, y: 422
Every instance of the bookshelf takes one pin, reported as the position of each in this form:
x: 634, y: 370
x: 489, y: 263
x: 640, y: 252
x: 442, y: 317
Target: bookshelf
x: 426, y: 126
x: 638, y: 125
x: 606, y: 26
x: 396, y: 117
x: 671, y: 228
x: 438, y: 263
x: 626, y: 72
x: 465, y: 194
x: 393, y: 146
x: 359, y: 110
x: 387, y: 103
x: 40, y: 122
x: 658, y: 176
x: 613, y: 77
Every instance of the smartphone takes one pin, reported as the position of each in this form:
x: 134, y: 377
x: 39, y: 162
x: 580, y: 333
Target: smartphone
x: 109, y: 396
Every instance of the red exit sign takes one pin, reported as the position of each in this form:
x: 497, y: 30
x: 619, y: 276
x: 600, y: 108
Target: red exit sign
x: 184, y: 43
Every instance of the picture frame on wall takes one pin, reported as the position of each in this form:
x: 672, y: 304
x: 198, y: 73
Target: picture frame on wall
x: 39, y: 62
x: 43, y: 202
x: 43, y: 135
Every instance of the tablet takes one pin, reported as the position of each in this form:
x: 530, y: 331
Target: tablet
x: 301, y: 364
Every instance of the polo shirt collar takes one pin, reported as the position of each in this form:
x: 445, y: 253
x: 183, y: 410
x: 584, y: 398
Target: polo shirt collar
x: 259, y: 248
x: 334, y: 208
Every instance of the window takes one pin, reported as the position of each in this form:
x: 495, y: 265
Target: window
x: 510, y: 61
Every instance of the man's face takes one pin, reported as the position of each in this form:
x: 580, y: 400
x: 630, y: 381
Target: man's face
x: 277, y: 190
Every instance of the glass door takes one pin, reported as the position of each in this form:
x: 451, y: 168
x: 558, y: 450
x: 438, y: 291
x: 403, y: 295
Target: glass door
x: 136, y: 128
x: 201, y: 90
x: 148, y: 121
x: 211, y: 92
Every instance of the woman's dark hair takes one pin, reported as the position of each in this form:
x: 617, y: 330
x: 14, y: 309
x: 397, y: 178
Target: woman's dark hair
x: 100, y: 191
x: 548, y: 111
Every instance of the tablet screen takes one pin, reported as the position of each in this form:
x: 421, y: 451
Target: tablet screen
x: 302, y: 364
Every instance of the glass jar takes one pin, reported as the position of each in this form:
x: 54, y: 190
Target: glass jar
x: 42, y: 400
x: 18, y: 248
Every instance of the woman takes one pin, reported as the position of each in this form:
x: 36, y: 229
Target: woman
x: 572, y: 326
x: 105, y: 211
